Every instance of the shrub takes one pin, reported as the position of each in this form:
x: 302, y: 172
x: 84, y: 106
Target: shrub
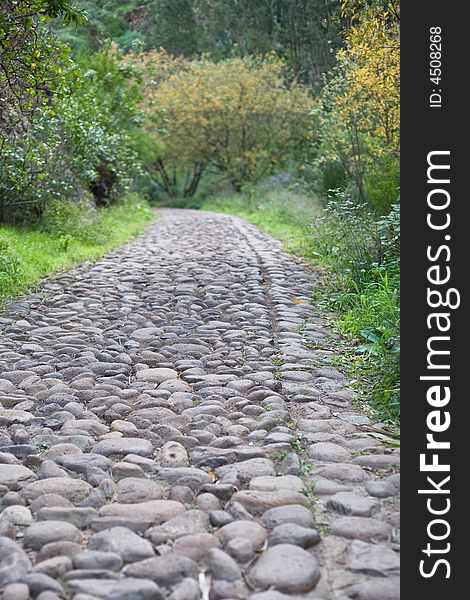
x: 33, y: 170
x: 240, y: 116
x: 383, y: 183
x: 333, y: 177
x: 373, y: 318
x: 87, y: 139
x: 358, y: 116
x: 364, y: 254
x: 77, y: 220
x: 347, y: 238
x: 31, y: 59
x: 99, y: 120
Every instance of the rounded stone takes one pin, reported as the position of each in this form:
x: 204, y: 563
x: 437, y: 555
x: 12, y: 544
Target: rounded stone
x: 124, y: 427
x: 166, y: 570
x: 257, y: 503
x: 40, y: 582
x: 94, y: 559
x: 173, y: 454
x: 152, y: 512
x: 241, y: 549
x: 127, y: 588
x: 15, y: 476
x: 245, y: 529
x: 137, y: 489
x: 273, y: 484
x: 18, y: 515
x: 290, y: 533
x: 293, y: 513
x: 156, y: 375
x: 378, y: 588
x: 373, y: 559
x: 48, y: 500
x: 361, y: 528
x: 53, y: 549
x: 54, y: 567
x: 124, y: 446
x: 349, y: 503
x: 187, y: 523
x: 188, y: 589
x: 41, y: 533
x: 72, y: 489
x: 208, y: 502
x: 328, y: 452
x: 16, y: 591
x: 380, y: 489
x: 122, y: 541
x: 195, y: 546
x: 286, y: 568
x: 222, y: 566
x: 220, y: 518
x: 181, y: 493
x: 48, y: 595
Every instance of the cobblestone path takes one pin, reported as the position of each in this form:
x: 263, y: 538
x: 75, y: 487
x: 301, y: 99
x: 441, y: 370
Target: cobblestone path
x: 171, y: 426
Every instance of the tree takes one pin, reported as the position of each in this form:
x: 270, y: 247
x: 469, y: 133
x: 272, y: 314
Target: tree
x: 171, y: 24
x: 85, y: 140
x: 359, y: 116
x: 31, y: 59
x: 106, y: 20
x: 239, y: 116
x: 303, y: 32
x: 372, y: 61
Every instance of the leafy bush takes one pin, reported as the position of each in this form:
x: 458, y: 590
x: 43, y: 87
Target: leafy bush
x: 389, y: 228
x: 373, y: 318
x: 73, y: 220
x: 32, y: 62
x: 333, y: 177
x: 86, y: 140
x: 347, y: 238
x: 383, y: 183
x: 240, y: 116
x: 99, y: 119
x: 364, y: 254
x: 34, y: 169
x: 358, y: 115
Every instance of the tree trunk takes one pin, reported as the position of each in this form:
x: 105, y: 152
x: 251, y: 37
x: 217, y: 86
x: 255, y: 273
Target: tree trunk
x: 166, y: 183
x: 191, y: 189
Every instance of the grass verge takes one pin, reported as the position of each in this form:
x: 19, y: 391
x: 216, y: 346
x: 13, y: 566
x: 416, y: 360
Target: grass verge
x: 29, y: 254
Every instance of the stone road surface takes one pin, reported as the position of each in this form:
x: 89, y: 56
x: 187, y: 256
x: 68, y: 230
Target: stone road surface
x: 166, y: 432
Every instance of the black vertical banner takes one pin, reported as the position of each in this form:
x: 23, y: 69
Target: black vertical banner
x: 435, y: 309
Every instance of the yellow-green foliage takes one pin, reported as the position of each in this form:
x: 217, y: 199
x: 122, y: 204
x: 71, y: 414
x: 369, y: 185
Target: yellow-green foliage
x: 359, y: 115
x: 240, y: 115
x: 371, y: 99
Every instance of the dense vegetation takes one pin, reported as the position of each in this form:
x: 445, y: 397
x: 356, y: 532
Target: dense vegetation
x: 303, y: 32
x: 284, y: 111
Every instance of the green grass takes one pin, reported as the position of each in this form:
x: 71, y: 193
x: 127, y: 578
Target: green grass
x: 372, y: 317
x: 28, y: 255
